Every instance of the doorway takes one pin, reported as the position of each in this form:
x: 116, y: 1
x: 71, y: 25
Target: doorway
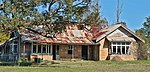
x: 56, y: 55
x: 84, y: 52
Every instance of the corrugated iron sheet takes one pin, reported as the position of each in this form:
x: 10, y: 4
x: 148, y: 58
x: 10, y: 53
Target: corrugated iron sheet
x: 68, y: 37
x: 71, y: 37
x: 27, y: 35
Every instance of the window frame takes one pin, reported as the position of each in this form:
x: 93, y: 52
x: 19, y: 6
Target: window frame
x: 120, y: 45
x: 35, y: 48
x: 43, y: 49
x: 12, y: 45
x: 47, y: 47
x: 70, y: 48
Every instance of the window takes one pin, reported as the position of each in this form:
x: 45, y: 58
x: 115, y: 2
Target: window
x: 123, y: 50
x: 49, y: 49
x: 44, y: 49
x: 41, y: 48
x: 34, y: 48
x: 14, y: 47
x: 70, y: 49
x: 114, y: 49
x: 119, y: 50
x: 120, y: 47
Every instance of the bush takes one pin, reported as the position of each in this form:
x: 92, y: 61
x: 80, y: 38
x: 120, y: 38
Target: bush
x: 26, y: 64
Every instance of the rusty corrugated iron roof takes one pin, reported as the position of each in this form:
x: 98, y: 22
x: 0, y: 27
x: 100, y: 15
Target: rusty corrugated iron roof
x: 71, y: 37
x: 28, y: 35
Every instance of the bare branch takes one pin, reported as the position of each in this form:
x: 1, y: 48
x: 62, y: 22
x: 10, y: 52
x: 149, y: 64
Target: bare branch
x: 50, y: 5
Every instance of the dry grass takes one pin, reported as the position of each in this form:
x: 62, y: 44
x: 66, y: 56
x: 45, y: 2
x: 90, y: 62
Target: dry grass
x: 84, y: 66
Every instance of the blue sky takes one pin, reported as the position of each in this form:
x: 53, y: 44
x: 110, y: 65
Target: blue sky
x: 133, y: 13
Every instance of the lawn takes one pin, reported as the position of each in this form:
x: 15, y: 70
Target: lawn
x: 84, y: 66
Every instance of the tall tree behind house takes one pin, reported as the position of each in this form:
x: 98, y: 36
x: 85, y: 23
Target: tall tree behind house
x: 51, y: 15
x: 118, y: 11
x: 144, y: 33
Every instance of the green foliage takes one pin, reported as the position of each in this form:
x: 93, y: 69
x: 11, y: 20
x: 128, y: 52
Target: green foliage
x: 144, y: 33
x: 3, y: 37
x: 94, y: 17
x: 52, y: 15
x: 146, y: 28
x: 142, y: 51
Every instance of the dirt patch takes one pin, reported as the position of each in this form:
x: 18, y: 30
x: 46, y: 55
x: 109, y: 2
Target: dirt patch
x: 117, y: 59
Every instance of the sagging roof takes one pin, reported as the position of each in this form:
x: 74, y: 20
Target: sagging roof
x: 76, y: 36
x: 28, y: 35
x: 71, y: 37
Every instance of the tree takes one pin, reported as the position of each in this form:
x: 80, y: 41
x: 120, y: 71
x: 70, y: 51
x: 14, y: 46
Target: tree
x: 144, y: 33
x: 3, y: 37
x: 94, y: 17
x: 52, y: 15
x: 146, y: 28
x: 118, y: 11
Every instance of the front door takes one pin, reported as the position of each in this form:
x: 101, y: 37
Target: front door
x: 84, y: 52
x: 56, y: 55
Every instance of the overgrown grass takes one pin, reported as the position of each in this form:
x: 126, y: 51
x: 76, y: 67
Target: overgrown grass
x: 84, y: 66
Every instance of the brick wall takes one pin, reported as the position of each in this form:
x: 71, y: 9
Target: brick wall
x: 64, y: 52
x: 78, y: 52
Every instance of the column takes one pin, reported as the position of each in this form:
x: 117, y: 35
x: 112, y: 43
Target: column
x: 24, y: 51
